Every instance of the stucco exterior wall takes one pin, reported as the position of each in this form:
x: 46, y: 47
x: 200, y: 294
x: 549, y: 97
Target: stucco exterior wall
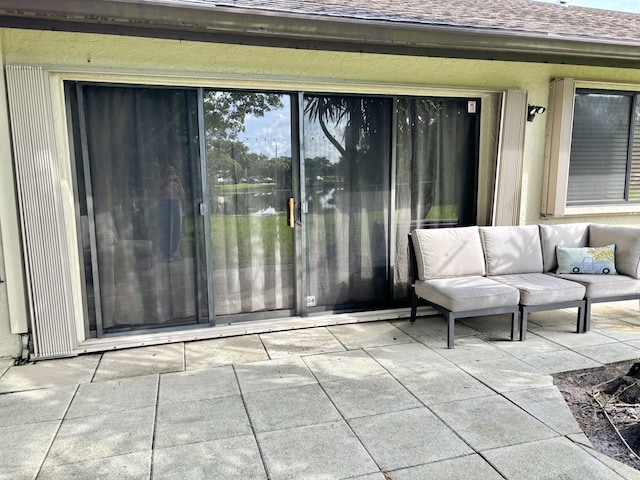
x: 119, y: 58
x: 235, y: 65
x: 330, y: 71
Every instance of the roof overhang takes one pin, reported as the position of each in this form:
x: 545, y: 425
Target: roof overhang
x: 198, y: 21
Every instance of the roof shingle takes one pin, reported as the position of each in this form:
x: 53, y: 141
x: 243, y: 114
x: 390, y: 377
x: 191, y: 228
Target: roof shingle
x: 524, y: 16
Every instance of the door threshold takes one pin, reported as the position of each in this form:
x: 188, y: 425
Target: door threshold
x: 94, y: 345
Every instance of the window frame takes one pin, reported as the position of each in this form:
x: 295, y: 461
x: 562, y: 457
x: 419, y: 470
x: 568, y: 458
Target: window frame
x: 558, y: 150
x: 47, y: 82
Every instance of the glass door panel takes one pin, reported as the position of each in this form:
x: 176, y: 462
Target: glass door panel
x: 436, y: 155
x: 346, y: 184
x: 248, y: 156
x: 135, y: 155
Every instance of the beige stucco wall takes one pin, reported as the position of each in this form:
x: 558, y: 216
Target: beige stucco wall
x: 119, y: 58
x: 233, y: 65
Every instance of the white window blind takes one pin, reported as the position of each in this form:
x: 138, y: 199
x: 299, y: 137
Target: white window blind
x: 599, y: 148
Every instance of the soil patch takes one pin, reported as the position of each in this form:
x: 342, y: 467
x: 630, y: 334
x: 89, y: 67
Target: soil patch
x: 612, y: 426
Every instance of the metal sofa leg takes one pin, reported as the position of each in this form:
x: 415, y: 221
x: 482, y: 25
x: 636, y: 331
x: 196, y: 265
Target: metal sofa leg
x: 580, y: 326
x: 450, y: 329
x: 514, y: 326
x: 414, y: 307
x: 524, y: 313
x: 586, y: 324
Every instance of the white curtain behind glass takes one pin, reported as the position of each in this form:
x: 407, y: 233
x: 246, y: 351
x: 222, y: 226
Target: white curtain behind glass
x: 248, y: 141
x: 346, y: 145
x: 139, y: 152
x: 436, y: 171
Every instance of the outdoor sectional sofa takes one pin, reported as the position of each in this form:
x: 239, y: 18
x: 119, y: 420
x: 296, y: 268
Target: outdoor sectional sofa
x: 476, y: 271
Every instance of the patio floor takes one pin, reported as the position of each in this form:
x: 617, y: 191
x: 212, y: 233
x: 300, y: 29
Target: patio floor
x: 368, y: 401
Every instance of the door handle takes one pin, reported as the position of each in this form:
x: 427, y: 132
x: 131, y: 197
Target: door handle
x: 291, y: 220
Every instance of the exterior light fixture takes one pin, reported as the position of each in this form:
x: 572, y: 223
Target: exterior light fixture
x: 533, y: 110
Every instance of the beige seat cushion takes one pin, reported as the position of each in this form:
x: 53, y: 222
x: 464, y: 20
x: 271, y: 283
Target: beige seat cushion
x: 448, y: 252
x: 512, y: 250
x: 542, y: 289
x: 467, y: 293
x: 600, y: 286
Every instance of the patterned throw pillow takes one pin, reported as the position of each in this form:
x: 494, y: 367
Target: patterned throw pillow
x: 593, y: 260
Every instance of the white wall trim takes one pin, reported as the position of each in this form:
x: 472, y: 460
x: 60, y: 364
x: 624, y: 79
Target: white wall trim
x: 558, y: 146
x: 57, y: 75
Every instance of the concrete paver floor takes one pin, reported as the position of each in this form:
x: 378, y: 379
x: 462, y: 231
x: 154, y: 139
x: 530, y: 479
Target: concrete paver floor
x: 368, y: 401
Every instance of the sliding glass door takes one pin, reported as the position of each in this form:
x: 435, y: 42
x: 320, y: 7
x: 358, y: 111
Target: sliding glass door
x: 436, y: 151
x: 216, y: 206
x: 346, y: 186
x: 249, y: 173
x: 136, y: 152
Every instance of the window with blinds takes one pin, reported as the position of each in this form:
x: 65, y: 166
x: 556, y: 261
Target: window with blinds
x: 604, y: 165
x: 634, y: 171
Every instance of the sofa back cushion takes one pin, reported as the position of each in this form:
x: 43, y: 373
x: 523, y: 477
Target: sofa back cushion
x: 512, y: 250
x: 448, y: 252
x: 627, y: 242
x: 564, y: 235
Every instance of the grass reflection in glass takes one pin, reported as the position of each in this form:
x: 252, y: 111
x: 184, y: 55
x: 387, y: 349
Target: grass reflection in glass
x: 244, y: 240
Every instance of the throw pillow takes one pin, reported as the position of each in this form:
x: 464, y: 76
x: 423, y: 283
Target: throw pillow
x: 593, y: 260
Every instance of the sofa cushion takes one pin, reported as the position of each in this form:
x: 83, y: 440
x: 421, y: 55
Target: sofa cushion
x: 564, y: 235
x: 627, y: 241
x: 602, y: 286
x: 512, y: 250
x: 467, y: 293
x: 590, y: 260
x: 541, y: 289
x: 448, y: 252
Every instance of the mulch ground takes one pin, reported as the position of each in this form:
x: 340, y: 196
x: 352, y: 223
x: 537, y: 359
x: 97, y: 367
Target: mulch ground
x: 612, y: 426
